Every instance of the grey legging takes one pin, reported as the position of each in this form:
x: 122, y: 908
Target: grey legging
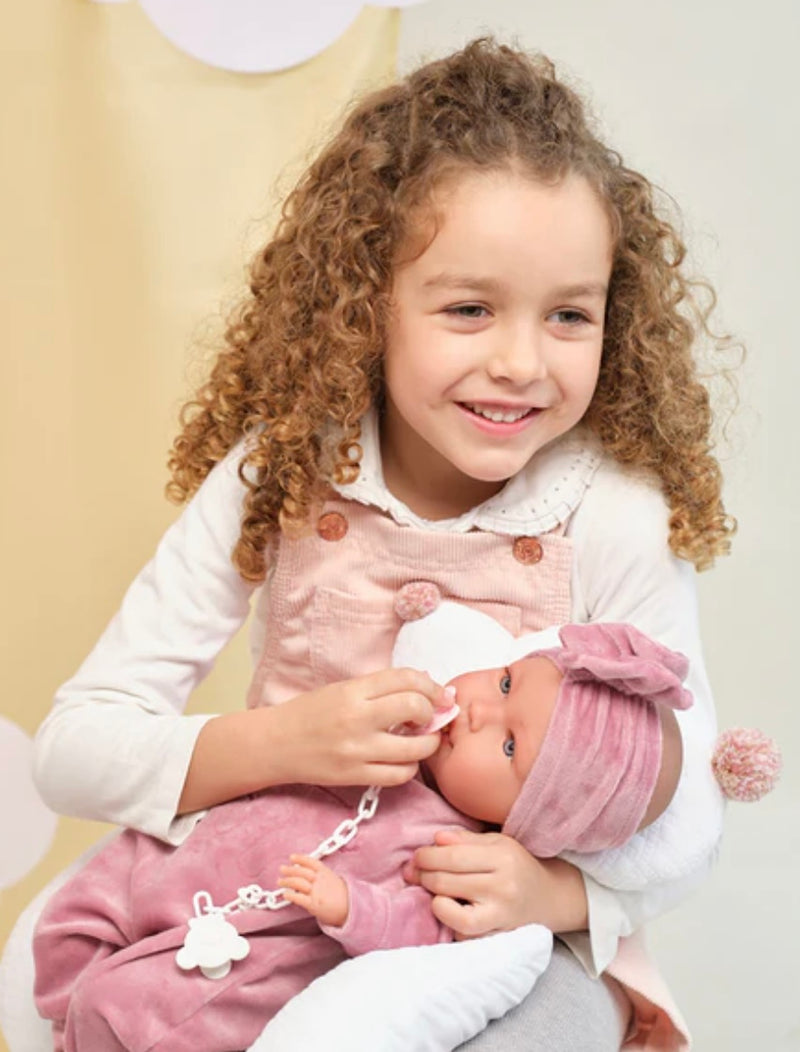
x: 565, y: 1012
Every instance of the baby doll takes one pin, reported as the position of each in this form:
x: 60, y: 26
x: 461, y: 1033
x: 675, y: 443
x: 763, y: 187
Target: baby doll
x: 573, y: 748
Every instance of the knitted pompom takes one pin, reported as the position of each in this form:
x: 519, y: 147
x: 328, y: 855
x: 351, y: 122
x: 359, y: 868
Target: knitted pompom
x: 746, y: 763
x: 416, y: 599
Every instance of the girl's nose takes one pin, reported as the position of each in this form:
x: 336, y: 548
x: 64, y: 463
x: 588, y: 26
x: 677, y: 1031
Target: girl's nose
x: 518, y: 358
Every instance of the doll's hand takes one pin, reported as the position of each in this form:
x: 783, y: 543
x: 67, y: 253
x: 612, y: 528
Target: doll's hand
x: 309, y: 883
x: 340, y: 734
x: 487, y: 882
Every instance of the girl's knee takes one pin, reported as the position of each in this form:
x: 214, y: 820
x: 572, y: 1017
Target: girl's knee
x: 566, y: 1011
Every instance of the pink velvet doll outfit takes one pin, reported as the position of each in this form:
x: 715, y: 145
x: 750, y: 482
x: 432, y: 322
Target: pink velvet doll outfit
x: 106, y: 943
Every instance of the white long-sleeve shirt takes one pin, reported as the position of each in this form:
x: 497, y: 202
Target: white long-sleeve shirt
x: 116, y: 746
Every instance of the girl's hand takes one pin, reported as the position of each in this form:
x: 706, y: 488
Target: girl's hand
x: 340, y: 734
x: 309, y: 883
x: 337, y: 735
x: 487, y: 882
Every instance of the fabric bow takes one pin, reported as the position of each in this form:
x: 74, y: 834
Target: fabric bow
x: 627, y: 660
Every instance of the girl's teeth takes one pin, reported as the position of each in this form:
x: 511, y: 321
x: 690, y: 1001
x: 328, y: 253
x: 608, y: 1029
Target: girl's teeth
x: 497, y: 416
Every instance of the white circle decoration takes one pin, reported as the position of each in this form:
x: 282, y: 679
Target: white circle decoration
x: 252, y: 36
x: 26, y: 825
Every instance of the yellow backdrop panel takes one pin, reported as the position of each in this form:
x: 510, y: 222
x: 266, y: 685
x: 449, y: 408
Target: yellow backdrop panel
x: 135, y: 181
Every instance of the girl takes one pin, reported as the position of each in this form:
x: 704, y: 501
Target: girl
x: 465, y: 358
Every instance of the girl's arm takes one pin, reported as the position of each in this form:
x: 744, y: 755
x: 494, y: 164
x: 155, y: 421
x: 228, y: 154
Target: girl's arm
x: 116, y: 748
x: 335, y: 735
x: 624, y: 571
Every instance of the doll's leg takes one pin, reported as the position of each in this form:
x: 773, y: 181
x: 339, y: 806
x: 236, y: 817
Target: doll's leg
x: 139, y: 998
x: 20, y: 1023
x: 565, y: 1012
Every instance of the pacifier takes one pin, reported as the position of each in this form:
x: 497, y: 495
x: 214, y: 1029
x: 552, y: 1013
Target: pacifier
x: 440, y: 718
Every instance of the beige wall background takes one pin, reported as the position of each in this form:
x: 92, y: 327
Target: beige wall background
x: 134, y: 183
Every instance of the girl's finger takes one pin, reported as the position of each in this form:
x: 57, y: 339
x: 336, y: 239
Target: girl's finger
x: 470, y: 887
x: 404, y: 748
x: 387, y: 775
x: 401, y: 680
x: 467, y: 920
x: 463, y: 836
x: 393, y: 710
x: 455, y: 858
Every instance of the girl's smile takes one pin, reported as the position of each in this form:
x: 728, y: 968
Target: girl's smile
x: 499, y: 419
x: 494, y: 345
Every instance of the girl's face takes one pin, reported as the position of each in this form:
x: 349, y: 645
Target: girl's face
x: 486, y: 753
x: 493, y: 348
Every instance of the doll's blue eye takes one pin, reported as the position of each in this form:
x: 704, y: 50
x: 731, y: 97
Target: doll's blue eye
x: 505, y: 683
x: 508, y: 747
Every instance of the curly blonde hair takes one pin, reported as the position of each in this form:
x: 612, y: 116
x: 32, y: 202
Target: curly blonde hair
x: 303, y: 351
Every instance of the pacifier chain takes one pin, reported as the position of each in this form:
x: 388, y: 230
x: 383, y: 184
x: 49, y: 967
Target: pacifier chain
x: 212, y: 942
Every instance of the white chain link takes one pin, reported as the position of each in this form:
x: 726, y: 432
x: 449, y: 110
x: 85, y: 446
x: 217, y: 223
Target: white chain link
x: 254, y: 897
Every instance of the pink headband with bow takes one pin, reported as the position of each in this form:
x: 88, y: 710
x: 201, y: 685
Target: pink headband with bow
x: 598, y: 764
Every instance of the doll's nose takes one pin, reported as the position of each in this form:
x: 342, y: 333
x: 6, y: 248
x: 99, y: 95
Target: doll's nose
x: 481, y: 713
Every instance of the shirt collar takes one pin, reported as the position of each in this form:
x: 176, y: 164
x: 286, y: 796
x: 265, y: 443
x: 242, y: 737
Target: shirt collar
x: 538, y: 499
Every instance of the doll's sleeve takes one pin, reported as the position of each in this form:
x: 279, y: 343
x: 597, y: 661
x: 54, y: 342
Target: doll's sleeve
x: 115, y: 746
x: 624, y: 571
x: 383, y: 918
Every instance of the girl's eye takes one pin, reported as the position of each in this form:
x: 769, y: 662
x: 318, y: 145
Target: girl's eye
x: 508, y: 747
x: 505, y: 683
x: 569, y: 317
x: 472, y: 311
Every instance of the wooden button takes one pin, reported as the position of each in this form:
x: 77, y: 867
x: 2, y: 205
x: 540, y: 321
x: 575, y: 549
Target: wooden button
x: 527, y: 550
x: 332, y: 526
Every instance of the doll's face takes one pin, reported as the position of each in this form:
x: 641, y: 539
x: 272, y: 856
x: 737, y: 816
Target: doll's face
x: 486, y: 753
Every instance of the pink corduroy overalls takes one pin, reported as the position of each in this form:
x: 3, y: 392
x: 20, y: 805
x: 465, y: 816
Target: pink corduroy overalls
x: 330, y: 614
x: 331, y: 605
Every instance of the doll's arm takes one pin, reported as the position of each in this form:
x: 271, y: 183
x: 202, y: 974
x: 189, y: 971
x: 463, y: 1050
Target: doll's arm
x: 311, y: 884
x: 362, y: 915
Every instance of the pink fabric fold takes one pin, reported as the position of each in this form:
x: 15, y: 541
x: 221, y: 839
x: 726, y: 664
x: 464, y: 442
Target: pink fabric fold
x: 598, y: 764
